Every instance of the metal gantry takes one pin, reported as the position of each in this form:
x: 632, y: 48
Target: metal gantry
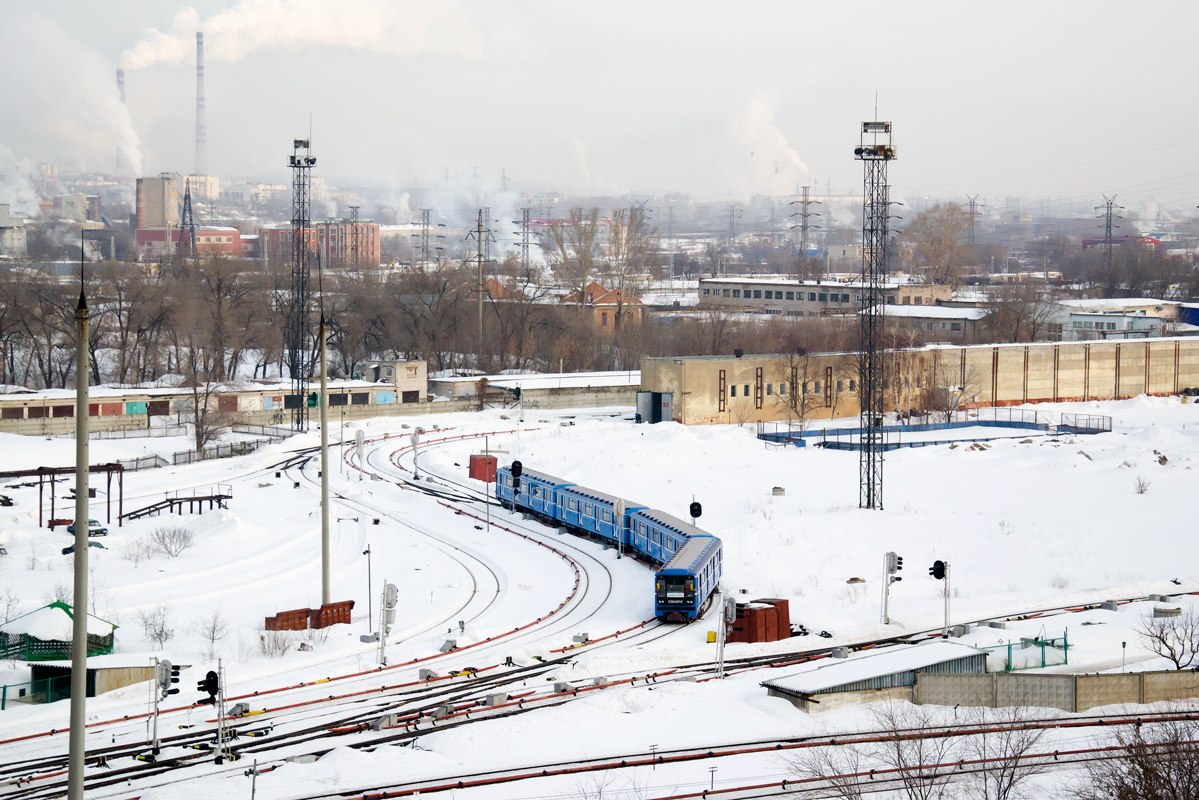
x: 875, y: 152
x: 298, y: 335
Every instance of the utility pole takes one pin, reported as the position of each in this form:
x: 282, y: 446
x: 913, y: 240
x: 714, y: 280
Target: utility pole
x: 76, y: 743
x: 354, y: 236
x: 1109, y: 208
x: 526, y: 234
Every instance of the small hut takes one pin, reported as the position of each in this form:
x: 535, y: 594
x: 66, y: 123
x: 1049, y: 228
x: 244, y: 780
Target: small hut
x: 45, y: 634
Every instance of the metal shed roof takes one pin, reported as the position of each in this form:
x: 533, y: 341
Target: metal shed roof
x: 832, y: 674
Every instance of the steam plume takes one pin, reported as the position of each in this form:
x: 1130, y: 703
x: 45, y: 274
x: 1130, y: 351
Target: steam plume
x: 254, y: 26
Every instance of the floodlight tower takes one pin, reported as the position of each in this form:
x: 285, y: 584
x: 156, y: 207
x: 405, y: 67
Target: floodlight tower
x: 875, y: 152
x: 298, y: 334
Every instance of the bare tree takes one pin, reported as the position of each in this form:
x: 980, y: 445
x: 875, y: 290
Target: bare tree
x: 1003, y: 746
x: 938, y: 238
x: 156, y: 625
x: 572, y: 247
x: 837, y: 768
x: 212, y: 628
x: 1156, y: 761
x: 795, y: 372
x: 171, y: 541
x: 1020, y: 312
x: 911, y: 756
x: 1173, y: 638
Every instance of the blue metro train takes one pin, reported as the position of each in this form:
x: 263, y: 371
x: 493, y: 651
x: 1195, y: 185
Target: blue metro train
x: 688, y: 560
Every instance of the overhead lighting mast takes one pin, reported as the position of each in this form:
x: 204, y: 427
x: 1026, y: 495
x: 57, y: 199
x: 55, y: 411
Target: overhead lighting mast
x: 875, y: 152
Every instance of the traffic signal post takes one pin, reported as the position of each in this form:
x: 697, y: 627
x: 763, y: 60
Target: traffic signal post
x: 940, y: 571
x: 892, y: 564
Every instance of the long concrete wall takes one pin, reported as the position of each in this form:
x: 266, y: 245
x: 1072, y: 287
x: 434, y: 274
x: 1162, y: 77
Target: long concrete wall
x: 1065, y: 692
x: 719, y: 389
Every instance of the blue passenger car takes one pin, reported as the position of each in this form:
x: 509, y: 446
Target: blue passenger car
x: 593, y: 512
x: 685, y: 585
x: 656, y: 536
x: 534, y: 492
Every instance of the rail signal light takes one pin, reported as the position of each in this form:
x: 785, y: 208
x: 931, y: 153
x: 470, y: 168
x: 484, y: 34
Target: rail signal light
x: 894, y: 563
x: 517, y: 470
x: 937, y: 570
x: 391, y: 595
x: 212, y: 685
x: 167, y: 674
x: 312, y: 399
x: 516, y: 393
x: 696, y: 510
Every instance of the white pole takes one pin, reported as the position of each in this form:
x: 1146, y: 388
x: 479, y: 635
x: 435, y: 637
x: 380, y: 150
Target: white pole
x: 324, y: 416
x: 76, y: 744
x: 945, y: 629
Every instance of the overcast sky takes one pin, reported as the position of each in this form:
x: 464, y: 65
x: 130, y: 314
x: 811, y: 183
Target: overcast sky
x: 1059, y: 100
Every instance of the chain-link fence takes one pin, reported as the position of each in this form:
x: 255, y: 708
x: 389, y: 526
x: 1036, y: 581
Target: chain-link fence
x: 47, y: 690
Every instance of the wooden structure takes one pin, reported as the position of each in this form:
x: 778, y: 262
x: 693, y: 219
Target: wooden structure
x: 50, y: 475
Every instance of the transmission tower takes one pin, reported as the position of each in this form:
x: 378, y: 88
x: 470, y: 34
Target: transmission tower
x: 187, y: 225
x: 875, y: 152
x: 526, y: 238
x: 482, y: 236
x: 298, y: 334
x: 805, y: 214
x: 354, y: 235
x: 1109, y: 209
x: 974, y: 213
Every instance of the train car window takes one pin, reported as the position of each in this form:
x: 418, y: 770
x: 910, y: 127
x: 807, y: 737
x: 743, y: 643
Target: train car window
x: 607, y: 515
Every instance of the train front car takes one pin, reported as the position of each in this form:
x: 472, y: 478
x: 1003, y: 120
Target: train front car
x: 685, y: 585
x: 534, y: 492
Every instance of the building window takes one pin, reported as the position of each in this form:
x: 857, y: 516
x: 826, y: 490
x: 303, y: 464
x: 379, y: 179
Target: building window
x: 891, y: 299
x: 824, y: 297
x: 769, y: 295
x: 603, y: 319
x: 845, y: 298
x: 726, y: 293
x: 957, y: 326
x: 736, y: 293
x: 746, y: 389
x: 769, y: 389
x: 839, y: 386
x: 790, y: 295
x: 757, y: 294
x: 853, y: 385
x: 733, y: 390
x: 816, y: 387
x: 707, y: 292
x: 811, y: 296
x: 907, y: 300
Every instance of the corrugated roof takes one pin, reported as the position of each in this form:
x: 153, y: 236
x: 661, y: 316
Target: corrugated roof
x: 817, y: 676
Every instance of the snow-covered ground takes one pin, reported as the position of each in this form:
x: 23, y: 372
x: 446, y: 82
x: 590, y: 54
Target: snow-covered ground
x: 1026, y: 522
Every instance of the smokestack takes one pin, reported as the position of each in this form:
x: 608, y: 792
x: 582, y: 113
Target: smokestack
x: 121, y: 84
x: 201, y: 129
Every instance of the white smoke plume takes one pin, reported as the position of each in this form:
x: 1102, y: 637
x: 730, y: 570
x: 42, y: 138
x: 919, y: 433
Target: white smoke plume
x: 16, y: 182
x: 65, y: 108
x: 766, y: 163
x: 384, y: 26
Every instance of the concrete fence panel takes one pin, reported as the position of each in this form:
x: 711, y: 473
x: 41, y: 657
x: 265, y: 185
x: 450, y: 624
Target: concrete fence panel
x: 1107, y: 690
x: 1049, y: 691
x: 1160, y: 686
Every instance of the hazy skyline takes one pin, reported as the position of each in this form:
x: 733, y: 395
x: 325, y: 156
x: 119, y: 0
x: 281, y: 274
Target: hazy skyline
x: 1065, y: 101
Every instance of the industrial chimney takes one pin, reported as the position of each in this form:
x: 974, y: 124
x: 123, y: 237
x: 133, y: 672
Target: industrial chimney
x: 201, y: 129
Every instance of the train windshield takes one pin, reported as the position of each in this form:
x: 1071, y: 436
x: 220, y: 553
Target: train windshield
x: 675, y: 588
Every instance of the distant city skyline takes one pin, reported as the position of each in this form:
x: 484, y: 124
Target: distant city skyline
x: 1056, y: 104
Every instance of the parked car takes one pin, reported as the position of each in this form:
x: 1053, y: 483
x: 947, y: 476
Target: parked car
x: 70, y: 549
x: 94, y: 528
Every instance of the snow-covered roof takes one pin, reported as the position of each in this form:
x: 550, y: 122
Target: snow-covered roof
x: 53, y: 623
x: 563, y: 380
x: 818, y: 676
x: 1116, y: 303
x: 778, y: 281
x: 934, y: 312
